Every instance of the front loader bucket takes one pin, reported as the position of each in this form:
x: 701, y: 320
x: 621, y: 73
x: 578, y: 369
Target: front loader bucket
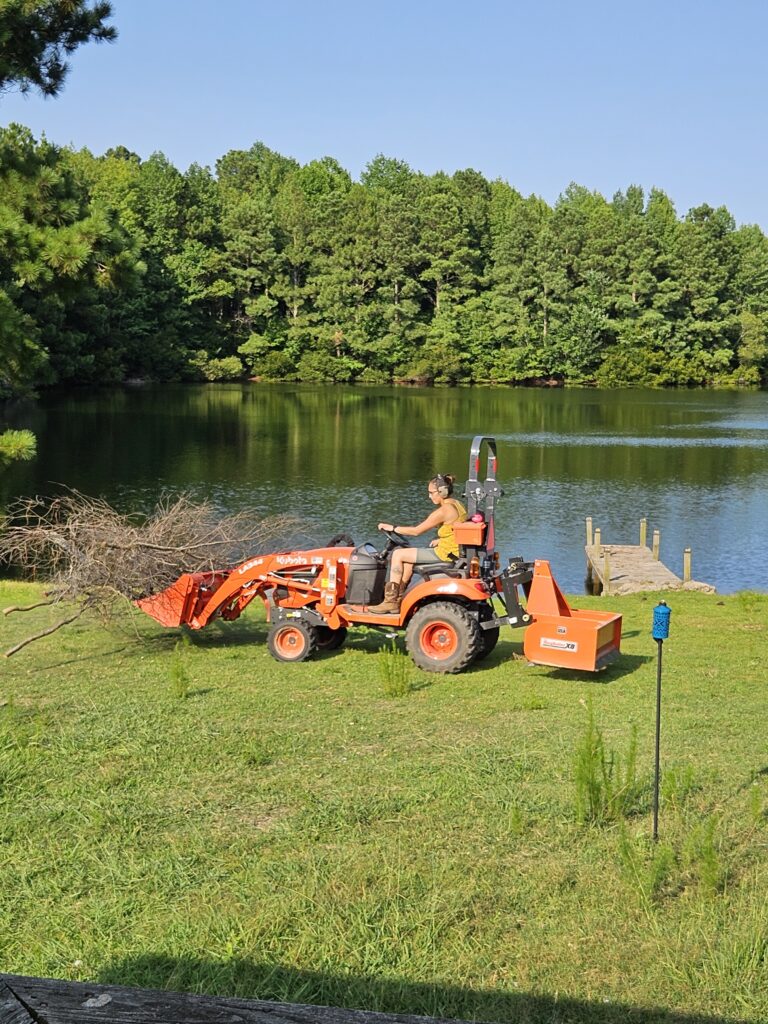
x: 179, y: 604
x: 565, y: 637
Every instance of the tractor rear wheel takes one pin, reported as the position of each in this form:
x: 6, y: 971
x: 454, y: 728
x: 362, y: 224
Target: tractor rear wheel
x: 330, y: 639
x: 488, y: 637
x: 443, y: 637
x: 292, y: 641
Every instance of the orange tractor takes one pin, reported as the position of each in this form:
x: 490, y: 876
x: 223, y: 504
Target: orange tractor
x: 451, y: 618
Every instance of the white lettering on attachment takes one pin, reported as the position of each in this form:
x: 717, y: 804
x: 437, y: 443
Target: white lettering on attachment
x: 559, y: 645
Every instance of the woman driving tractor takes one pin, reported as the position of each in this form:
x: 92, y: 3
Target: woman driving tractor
x: 444, y: 549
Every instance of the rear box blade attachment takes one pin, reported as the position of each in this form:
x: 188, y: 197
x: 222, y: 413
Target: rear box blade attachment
x: 565, y: 637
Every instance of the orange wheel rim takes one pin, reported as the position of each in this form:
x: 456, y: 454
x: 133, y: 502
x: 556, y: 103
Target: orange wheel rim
x: 439, y: 640
x: 290, y: 642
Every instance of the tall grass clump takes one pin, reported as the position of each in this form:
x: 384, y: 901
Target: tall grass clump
x: 606, y: 787
x: 395, y: 672
x: 648, y: 872
x: 703, y: 856
x: 677, y: 784
x: 178, y: 674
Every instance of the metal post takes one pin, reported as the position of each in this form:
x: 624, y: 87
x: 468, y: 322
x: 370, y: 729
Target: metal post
x: 660, y: 632
x: 656, y: 763
x: 686, y: 565
x: 643, y: 532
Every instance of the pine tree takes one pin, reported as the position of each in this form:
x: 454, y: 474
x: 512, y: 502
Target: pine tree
x: 36, y: 38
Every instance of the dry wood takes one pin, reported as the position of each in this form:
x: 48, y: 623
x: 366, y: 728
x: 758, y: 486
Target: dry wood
x: 26, y: 607
x: 43, y: 632
x: 93, y: 555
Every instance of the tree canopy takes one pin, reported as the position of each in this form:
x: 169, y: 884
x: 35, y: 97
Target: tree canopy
x: 114, y: 267
x: 37, y: 36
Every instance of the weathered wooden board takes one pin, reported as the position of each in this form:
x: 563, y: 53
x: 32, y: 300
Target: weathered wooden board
x: 11, y: 1010
x: 47, y: 1001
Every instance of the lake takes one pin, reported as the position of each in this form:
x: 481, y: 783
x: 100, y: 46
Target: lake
x: 344, y: 458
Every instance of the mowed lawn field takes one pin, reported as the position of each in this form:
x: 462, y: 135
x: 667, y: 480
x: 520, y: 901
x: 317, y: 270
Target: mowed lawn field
x: 190, y: 814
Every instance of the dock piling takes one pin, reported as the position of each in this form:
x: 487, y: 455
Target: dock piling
x: 656, y: 543
x: 687, y: 565
x: 643, y: 532
x: 598, y: 537
x: 589, y: 531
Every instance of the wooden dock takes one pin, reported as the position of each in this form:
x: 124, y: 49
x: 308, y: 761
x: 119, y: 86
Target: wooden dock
x: 632, y: 568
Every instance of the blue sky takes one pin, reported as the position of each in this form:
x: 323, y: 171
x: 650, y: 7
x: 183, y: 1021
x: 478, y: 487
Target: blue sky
x: 606, y: 94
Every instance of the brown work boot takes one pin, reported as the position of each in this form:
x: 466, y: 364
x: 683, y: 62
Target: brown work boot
x: 391, y: 603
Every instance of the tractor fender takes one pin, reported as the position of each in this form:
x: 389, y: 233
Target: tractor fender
x: 444, y: 588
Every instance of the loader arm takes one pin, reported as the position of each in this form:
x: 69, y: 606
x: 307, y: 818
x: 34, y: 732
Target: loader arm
x: 298, y: 577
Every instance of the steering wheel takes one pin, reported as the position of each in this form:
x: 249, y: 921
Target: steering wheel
x: 396, y: 539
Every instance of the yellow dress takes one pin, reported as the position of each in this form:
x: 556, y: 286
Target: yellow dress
x: 447, y: 547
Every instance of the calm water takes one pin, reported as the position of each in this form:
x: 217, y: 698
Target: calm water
x: 344, y: 458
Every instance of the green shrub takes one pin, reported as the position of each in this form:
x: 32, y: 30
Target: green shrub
x: 228, y: 368
x: 606, y: 789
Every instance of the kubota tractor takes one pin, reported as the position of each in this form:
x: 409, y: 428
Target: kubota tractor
x: 451, y: 617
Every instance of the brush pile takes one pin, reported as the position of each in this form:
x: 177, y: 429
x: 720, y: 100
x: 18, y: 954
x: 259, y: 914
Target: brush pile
x: 89, y: 554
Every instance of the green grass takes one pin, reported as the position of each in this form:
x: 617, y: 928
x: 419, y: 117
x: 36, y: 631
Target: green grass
x: 198, y: 816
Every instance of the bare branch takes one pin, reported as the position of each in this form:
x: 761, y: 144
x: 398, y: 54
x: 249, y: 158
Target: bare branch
x: 43, y: 632
x: 26, y: 607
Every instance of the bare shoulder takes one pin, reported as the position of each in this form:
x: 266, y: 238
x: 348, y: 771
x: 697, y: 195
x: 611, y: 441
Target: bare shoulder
x: 450, y: 510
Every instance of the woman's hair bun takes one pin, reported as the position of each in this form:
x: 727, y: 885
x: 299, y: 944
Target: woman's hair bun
x: 444, y: 484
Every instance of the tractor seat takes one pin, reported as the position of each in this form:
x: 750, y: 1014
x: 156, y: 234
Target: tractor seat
x: 456, y: 570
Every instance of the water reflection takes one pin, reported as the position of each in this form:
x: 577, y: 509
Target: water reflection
x: 344, y: 458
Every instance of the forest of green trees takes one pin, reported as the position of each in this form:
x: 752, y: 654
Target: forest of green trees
x: 115, y: 268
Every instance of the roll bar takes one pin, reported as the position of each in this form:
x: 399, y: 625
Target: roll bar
x: 481, y: 496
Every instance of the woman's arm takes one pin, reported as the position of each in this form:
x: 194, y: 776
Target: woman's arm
x: 437, y: 518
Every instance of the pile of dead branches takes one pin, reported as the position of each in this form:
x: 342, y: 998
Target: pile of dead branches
x: 89, y: 554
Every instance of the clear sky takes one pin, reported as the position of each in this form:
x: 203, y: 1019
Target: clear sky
x: 606, y: 93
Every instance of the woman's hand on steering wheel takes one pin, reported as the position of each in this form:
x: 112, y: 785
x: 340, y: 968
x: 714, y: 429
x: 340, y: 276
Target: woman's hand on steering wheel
x: 394, y: 538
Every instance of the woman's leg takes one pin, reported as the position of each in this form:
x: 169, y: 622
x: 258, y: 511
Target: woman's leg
x: 400, y: 572
x: 401, y: 566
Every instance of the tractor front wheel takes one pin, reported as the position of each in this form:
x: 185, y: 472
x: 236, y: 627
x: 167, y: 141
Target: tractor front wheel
x: 330, y: 639
x: 292, y: 641
x: 443, y: 637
